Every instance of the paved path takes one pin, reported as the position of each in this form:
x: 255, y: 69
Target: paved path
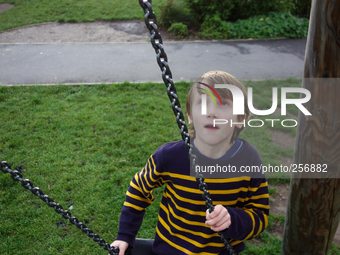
x: 76, y: 63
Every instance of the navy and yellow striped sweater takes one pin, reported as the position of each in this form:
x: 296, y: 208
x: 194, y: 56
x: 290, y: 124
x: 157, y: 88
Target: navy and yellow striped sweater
x: 181, y: 225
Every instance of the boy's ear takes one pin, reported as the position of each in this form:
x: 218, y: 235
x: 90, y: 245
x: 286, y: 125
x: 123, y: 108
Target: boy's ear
x: 190, y: 121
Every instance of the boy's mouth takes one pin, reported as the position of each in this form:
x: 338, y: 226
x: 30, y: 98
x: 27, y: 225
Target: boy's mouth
x: 211, y: 126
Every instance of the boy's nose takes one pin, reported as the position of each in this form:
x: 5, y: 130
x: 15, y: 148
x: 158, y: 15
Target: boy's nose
x: 211, y: 110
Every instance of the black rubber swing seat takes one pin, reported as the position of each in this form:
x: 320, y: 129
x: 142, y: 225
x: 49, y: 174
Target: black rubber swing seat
x: 142, y: 247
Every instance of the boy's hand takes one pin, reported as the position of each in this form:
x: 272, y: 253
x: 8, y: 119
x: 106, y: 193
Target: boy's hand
x: 219, y: 219
x: 121, y: 245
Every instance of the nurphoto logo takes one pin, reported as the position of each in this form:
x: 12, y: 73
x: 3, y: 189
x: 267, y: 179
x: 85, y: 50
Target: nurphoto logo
x: 238, y: 104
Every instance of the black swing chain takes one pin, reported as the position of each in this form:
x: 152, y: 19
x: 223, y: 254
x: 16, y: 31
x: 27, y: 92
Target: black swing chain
x: 162, y: 60
x: 27, y: 184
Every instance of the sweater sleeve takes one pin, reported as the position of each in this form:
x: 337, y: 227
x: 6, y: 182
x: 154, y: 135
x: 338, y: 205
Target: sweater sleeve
x: 138, y: 197
x: 251, y: 218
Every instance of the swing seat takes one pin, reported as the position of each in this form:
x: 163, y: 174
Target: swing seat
x: 142, y: 247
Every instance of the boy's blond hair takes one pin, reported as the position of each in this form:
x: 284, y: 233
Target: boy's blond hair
x: 218, y: 77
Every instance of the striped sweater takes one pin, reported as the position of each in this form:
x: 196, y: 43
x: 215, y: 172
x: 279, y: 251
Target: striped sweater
x: 181, y: 225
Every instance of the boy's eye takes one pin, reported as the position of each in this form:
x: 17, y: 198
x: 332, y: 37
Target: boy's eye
x: 224, y: 104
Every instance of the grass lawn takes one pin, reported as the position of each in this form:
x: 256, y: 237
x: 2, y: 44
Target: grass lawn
x: 82, y: 145
x: 38, y: 11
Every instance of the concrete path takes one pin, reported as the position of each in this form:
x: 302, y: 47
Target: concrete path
x: 79, y: 63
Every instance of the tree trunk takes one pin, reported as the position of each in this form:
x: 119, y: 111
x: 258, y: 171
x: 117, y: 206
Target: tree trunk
x: 313, y: 212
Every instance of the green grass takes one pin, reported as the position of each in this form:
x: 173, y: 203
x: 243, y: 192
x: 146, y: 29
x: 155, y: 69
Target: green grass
x: 82, y: 145
x: 272, y: 191
x: 38, y: 11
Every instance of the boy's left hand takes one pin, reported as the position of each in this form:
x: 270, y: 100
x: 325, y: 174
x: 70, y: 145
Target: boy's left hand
x: 219, y: 219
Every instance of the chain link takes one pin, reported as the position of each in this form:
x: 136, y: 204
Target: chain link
x: 162, y: 60
x: 27, y: 184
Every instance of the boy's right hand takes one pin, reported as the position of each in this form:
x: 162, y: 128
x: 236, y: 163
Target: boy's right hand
x: 121, y: 245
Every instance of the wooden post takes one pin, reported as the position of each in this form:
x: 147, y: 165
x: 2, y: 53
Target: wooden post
x: 313, y: 211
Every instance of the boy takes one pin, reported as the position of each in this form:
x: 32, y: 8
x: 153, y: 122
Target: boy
x: 184, y: 225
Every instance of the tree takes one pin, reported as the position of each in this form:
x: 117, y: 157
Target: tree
x: 313, y: 212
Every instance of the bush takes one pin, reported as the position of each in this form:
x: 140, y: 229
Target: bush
x: 244, y: 9
x: 201, y: 8
x: 282, y: 24
x: 178, y: 30
x: 232, y: 10
x: 176, y: 11
x: 302, y: 8
x: 214, y: 28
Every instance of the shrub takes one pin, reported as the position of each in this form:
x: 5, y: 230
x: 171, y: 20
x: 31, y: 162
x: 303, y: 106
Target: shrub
x: 214, y: 28
x: 282, y: 24
x: 232, y: 10
x: 302, y: 8
x: 201, y: 8
x: 176, y: 11
x: 178, y: 30
x: 244, y: 9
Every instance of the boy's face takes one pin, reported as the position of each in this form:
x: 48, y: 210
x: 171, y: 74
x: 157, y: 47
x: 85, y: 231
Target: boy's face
x: 205, y: 132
